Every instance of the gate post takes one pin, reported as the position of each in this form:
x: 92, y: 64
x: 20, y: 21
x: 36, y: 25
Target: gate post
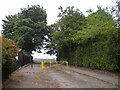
x: 66, y: 65
x: 42, y: 65
x: 50, y: 63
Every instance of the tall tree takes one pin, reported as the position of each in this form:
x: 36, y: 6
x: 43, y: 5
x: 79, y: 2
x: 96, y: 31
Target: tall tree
x: 28, y: 28
x: 62, y: 32
x: 90, y: 41
x: 118, y: 13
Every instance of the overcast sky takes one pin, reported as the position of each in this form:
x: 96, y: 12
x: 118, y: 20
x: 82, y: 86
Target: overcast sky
x: 11, y: 7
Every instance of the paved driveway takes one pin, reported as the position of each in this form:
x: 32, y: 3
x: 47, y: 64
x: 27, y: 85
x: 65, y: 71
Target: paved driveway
x: 59, y: 77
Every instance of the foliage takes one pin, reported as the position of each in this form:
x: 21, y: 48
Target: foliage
x: 90, y: 41
x: 9, y: 52
x: 27, y: 28
x: 62, y: 32
x: 117, y: 13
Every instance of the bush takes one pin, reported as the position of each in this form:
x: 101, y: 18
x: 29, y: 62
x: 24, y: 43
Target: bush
x: 9, y: 52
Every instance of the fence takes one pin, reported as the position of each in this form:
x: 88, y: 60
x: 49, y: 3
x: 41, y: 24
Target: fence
x: 22, y: 60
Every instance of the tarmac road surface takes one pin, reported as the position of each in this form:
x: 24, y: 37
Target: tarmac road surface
x: 60, y: 77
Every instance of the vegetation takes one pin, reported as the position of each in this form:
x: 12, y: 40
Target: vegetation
x: 27, y: 28
x: 38, y: 60
x: 90, y: 41
x: 9, y: 52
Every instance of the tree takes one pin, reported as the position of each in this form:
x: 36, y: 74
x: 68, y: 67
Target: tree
x: 90, y: 41
x: 117, y: 13
x: 98, y: 43
x: 27, y: 28
x: 62, y: 33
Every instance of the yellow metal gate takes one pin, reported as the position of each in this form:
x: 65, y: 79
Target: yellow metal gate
x: 56, y: 63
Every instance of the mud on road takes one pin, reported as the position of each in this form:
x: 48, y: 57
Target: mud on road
x: 59, y: 77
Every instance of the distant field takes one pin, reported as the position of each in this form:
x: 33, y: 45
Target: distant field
x: 39, y: 60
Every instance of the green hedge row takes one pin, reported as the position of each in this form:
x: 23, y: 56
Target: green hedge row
x: 102, y: 53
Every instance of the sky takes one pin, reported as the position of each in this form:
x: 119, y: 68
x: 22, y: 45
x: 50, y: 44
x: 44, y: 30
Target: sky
x: 11, y: 7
